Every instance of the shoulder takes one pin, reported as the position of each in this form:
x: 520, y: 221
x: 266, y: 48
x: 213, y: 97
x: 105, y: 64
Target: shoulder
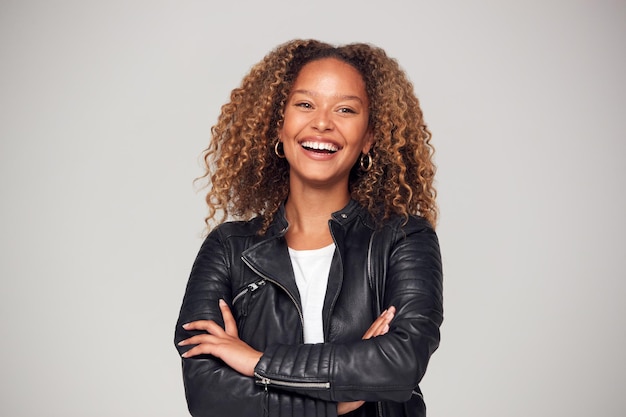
x: 404, y: 226
x: 241, y: 228
x: 229, y: 235
x: 414, y: 234
x: 396, y: 223
x: 397, y: 227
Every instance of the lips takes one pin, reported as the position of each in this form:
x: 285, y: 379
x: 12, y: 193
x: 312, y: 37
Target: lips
x: 322, y: 147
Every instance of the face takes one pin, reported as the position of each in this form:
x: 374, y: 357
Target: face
x: 326, y: 123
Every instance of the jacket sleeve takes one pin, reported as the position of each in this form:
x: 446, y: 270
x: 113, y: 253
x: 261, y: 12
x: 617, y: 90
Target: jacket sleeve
x: 383, y: 368
x: 212, y: 387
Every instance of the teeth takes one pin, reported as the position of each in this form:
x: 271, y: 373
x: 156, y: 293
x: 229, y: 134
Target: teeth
x: 320, y: 146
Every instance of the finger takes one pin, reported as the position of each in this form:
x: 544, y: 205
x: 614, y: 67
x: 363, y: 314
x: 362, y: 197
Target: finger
x: 373, y: 329
x: 385, y: 320
x: 387, y: 316
x: 381, y: 324
x: 378, y: 330
x: 203, y: 349
x: 196, y: 340
x: 196, y: 325
x: 230, y: 325
x: 208, y: 326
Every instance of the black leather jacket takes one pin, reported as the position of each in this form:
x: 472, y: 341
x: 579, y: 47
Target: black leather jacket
x: 253, y: 273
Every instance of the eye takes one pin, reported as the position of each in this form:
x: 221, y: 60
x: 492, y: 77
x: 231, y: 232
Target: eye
x: 347, y: 110
x: 304, y: 105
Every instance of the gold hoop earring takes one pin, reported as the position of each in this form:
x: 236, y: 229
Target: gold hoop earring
x: 366, y: 165
x: 278, y: 150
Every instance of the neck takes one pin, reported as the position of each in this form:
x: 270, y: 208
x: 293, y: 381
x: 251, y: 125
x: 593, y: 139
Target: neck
x: 308, y: 211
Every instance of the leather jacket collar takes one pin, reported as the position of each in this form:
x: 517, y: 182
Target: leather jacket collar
x: 269, y: 258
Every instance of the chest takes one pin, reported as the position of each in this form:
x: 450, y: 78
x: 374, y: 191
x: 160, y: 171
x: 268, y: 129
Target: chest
x: 268, y: 305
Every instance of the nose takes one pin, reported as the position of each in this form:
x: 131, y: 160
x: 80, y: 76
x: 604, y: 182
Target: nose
x: 322, y: 121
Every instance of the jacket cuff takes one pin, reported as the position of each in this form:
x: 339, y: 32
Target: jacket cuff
x: 304, y: 369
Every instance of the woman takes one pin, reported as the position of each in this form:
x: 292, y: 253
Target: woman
x: 323, y: 154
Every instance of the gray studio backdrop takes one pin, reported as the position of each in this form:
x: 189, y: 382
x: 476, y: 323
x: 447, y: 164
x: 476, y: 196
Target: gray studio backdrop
x: 106, y: 106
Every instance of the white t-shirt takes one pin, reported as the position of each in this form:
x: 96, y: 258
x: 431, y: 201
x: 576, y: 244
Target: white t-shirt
x: 311, y: 269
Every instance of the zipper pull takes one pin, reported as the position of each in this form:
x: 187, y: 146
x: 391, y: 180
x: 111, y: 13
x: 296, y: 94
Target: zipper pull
x: 252, y: 287
x: 246, y: 298
x: 262, y: 380
x: 256, y: 285
x: 266, y: 403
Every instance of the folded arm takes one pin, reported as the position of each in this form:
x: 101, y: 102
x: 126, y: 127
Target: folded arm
x: 382, y: 368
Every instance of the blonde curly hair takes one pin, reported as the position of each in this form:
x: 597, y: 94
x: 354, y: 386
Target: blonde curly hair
x: 246, y: 178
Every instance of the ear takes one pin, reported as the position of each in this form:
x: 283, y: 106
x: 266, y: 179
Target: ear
x: 369, y: 141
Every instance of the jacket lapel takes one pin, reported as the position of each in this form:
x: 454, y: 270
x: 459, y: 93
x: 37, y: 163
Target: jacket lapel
x: 335, y: 277
x: 270, y: 259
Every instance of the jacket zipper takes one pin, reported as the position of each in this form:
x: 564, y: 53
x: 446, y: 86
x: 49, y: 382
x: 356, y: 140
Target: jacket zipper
x: 249, y: 288
x: 267, y: 381
x: 266, y: 278
x: 332, y: 304
x: 418, y: 394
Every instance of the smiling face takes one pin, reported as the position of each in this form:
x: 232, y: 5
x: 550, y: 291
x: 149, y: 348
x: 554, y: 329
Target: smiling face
x: 325, y: 128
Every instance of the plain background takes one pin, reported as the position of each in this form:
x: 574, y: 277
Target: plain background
x: 106, y: 106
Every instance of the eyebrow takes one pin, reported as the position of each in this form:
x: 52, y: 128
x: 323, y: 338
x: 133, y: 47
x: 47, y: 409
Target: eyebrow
x: 343, y: 97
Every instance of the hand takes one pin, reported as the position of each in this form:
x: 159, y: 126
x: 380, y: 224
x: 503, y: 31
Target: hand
x: 378, y: 328
x: 381, y: 324
x: 222, y: 343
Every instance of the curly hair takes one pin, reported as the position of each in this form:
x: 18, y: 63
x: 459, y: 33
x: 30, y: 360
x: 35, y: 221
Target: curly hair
x: 246, y: 178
